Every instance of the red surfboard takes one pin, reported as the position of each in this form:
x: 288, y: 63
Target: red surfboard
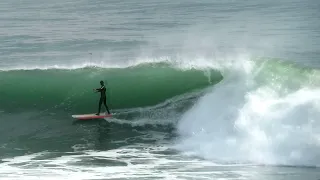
x: 91, y: 116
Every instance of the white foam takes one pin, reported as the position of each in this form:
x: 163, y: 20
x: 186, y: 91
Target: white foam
x: 134, y: 161
x: 245, y: 120
x: 142, y: 122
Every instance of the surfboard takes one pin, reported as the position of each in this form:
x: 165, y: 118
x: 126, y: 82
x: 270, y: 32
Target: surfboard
x: 91, y: 116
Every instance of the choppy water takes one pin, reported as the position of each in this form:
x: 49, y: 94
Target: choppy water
x: 200, y: 90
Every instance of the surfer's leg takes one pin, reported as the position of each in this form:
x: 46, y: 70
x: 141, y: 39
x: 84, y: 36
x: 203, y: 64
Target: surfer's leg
x: 100, y: 102
x: 105, y: 104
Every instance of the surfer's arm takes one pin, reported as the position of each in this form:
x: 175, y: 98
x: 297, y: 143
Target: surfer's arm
x: 99, y: 89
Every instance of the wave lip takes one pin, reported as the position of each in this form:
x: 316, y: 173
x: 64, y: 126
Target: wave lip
x: 181, y: 62
x: 62, y: 67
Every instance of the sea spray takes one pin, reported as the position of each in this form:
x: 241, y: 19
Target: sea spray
x: 267, y: 115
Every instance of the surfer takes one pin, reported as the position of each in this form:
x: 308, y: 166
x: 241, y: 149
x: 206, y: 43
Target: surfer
x: 103, y: 98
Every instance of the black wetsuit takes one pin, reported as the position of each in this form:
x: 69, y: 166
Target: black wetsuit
x: 103, y: 98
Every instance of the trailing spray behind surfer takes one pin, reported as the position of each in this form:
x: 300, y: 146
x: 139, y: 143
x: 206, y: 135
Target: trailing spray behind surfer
x: 103, y: 98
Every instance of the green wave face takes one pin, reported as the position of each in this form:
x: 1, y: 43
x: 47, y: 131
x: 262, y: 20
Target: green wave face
x: 72, y: 90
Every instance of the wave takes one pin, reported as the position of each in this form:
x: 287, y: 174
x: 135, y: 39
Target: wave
x: 71, y: 89
x: 266, y: 113
x: 261, y: 111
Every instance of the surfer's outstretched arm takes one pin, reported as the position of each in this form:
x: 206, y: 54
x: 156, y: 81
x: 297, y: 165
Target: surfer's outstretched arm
x: 99, y: 89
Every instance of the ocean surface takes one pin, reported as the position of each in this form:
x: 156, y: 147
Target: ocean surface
x: 199, y: 90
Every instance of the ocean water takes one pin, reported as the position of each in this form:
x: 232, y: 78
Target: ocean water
x: 199, y: 90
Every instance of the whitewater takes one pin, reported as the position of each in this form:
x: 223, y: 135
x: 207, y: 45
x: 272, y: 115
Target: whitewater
x: 199, y: 90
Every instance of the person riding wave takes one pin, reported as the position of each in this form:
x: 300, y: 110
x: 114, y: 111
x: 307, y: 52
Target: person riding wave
x: 103, y: 98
